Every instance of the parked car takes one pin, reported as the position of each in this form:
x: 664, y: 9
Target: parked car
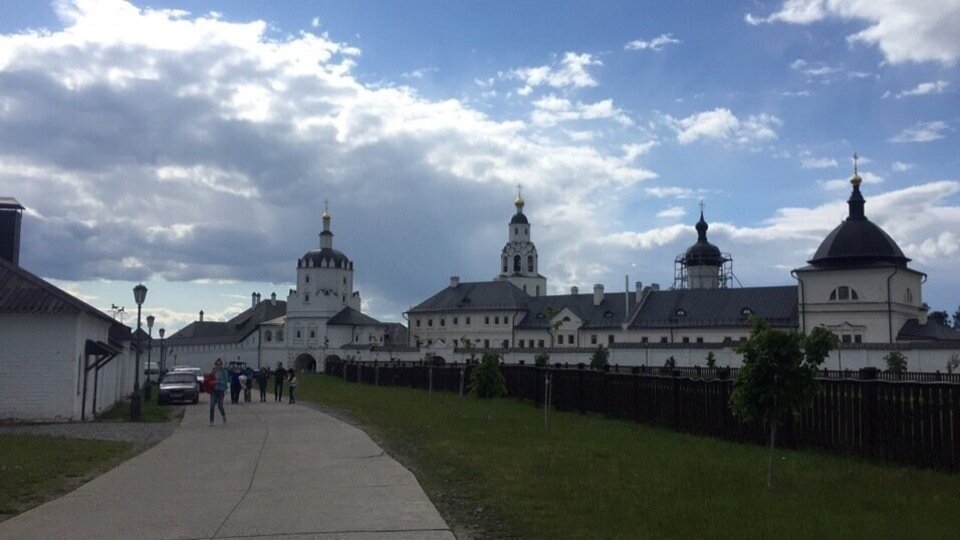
x: 195, y: 371
x: 151, y: 368
x: 178, y: 387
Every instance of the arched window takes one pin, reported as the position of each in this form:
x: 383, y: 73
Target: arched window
x: 516, y: 230
x: 269, y: 335
x: 529, y: 263
x: 908, y: 296
x: 306, y: 278
x: 843, y: 293
x: 279, y: 335
x: 538, y: 290
x: 516, y: 263
x: 504, y: 264
x: 306, y: 298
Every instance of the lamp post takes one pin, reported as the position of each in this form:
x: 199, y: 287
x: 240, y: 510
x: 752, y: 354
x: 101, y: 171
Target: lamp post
x: 163, y: 357
x: 147, y: 391
x: 139, y: 295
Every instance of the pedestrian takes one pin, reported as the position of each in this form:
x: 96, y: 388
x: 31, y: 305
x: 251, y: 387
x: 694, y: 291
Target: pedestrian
x: 235, y: 384
x: 292, y: 385
x: 220, y: 379
x: 278, y: 377
x: 248, y: 384
x: 262, y: 377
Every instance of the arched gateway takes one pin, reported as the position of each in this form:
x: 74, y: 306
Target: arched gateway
x: 305, y: 363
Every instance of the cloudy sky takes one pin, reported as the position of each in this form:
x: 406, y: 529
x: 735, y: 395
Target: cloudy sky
x: 191, y: 144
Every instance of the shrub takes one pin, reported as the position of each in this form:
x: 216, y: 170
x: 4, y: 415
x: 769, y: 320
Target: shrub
x: 896, y: 362
x: 671, y: 363
x: 711, y: 360
x: 486, y: 381
x: 541, y: 360
x: 600, y: 358
x: 953, y: 363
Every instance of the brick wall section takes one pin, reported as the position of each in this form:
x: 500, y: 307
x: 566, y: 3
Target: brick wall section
x: 39, y: 366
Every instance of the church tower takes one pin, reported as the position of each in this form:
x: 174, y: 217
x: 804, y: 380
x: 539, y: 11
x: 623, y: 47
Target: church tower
x: 324, y: 279
x: 518, y: 261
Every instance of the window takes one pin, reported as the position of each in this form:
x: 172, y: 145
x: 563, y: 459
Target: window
x: 486, y: 320
x: 538, y: 290
x: 843, y: 293
x: 681, y: 312
x: 529, y: 263
x: 663, y: 339
x: 429, y: 322
x: 610, y: 339
x: 344, y: 280
x: 455, y: 320
x: 306, y: 298
x: 857, y: 338
x: 313, y: 334
x: 566, y: 319
x: 306, y: 278
x: 443, y: 322
x: 504, y: 265
x: 418, y: 323
x: 908, y: 297
x: 516, y: 263
x: 540, y: 343
x: 847, y: 338
x: 468, y: 321
x: 516, y: 230
x: 496, y: 320
x: 644, y: 340
x: 298, y: 334
x: 699, y: 340
x: 593, y: 339
x: 454, y: 344
x: 686, y: 340
x: 560, y: 339
x: 520, y: 343
x: 269, y: 335
x: 505, y: 343
x: 539, y: 315
x: 486, y: 344
x: 570, y: 339
x: 279, y: 335
x: 746, y: 311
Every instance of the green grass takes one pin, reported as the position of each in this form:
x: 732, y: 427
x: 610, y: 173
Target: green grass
x: 150, y: 411
x: 35, y: 469
x: 589, y: 477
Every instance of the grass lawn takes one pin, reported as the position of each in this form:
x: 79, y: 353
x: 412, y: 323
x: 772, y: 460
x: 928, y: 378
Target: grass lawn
x: 589, y: 477
x: 150, y: 411
x: 36, y: 469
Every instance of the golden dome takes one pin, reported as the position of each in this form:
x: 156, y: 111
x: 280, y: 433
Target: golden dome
x: 856, y: 180
x: 519, y: 201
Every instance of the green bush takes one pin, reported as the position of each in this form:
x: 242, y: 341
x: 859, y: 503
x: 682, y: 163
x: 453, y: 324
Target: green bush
x: 541, y: 360
x: 486, y: 381
x: 600, y: 358
x: 896, y: 362
x: 711, y: 360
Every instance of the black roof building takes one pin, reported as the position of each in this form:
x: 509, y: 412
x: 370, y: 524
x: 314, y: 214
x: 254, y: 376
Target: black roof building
x: 232, y: 331
x: 717, y: 308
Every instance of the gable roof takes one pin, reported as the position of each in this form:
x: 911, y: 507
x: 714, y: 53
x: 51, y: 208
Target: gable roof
x: 932, y: 331
x: 351, y: 317
x: 608, y: 314
x: 704, y: 308
x: 485, y: 295
x: 232, y: 331
x: 25, y: 293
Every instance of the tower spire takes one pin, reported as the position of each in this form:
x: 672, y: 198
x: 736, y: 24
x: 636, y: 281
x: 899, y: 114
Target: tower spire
x: 326, y: 237
x: 519, y: 202
x: 856, y: 201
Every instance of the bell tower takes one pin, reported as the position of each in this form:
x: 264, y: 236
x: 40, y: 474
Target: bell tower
x: 519, y: 263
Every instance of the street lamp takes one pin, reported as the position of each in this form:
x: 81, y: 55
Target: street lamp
x: 147, y: 391
x: 139, y: 295
x: 163, y: 357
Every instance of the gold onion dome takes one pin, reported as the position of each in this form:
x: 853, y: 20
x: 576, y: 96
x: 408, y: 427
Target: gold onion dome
x: 519, y: 201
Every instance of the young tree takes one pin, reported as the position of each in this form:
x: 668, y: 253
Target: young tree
x: 541, y: 359
x: 468, y: 345
x: 711, y: 360
x: 778, y: 376
x: 953, y: 363
x: 600, y: 358
x: 940, y: 317
x: 551, y: 313
x: 486, y: 381
x: 896, y: 362
x: 671, y: 363
x: 956, y: 319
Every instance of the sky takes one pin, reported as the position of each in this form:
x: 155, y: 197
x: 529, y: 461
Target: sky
x: 191, y: 145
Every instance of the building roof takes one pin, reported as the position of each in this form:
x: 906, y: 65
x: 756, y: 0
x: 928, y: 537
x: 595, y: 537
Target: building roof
x: 857, y: 241
x: 608, y: 314
x: 9, y: 203
x: 702, y: 253
x: 326, y: 257
x: 705, y: 308
x: 232, y: 331
x: 481, y: 295
x: 25, y: 293
x: 351, y: 317
x: 519, y: 218
x: 931, y: 331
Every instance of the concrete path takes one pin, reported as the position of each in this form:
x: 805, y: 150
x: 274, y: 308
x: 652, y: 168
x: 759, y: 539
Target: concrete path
x: 273, y: 470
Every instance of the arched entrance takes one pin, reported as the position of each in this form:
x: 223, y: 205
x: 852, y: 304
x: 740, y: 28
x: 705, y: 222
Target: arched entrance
x: 305, y: 363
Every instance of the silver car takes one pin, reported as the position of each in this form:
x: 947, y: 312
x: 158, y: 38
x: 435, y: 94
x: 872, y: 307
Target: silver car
x: 178, y: 386
x: 195, y: 371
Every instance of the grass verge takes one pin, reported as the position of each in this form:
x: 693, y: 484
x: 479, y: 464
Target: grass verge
x: 35, y: 469
x: 150, y: 411
x: 588, y: 477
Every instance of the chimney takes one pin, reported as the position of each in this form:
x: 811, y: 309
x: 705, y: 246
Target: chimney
x: 253, y: 299
x: 639, y: 291
x: 454, y: 281
x: 597, y: 294
x: 574, y: 290
x: 273, y: 299
x: 201, y: 315
x: 654, y: 286
x: 258, y: 298
x: 11, y: 212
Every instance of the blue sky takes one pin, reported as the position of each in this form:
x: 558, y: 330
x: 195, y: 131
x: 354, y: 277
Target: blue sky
x: 191, y: 144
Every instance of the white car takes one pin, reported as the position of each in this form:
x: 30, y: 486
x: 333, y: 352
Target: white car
x: 195, y: 371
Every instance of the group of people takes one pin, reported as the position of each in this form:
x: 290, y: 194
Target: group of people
x: 238, y: 380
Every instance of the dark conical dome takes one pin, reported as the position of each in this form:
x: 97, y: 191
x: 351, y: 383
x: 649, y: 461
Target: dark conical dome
x: 857, y: 241
x: 703, y: 253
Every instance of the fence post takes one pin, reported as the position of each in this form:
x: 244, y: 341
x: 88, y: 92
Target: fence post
x: 429, y: 383
x: 580, y: 388
x: 869, y: 413
x: 461, y: 381
x: 675, y: 401
x: 546, y: 399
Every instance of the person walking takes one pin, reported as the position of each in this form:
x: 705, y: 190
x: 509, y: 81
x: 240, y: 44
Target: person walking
x: 262, y: 377
x: 235, y: 384
x: 292, y: 385
x: 247, y: 384
x: 219, y: 386
x: 278, y: 377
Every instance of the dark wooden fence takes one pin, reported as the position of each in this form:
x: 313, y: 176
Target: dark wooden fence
x: 910, y: 422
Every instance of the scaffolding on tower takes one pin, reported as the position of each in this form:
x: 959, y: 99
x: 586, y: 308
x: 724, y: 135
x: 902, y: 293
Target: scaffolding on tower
x: 725, y: 277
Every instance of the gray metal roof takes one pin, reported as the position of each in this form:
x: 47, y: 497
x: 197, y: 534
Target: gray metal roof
x: 482, y: 295
x: 23, y: 292
x: 351, y: 317
x: 232, y: 331
x: 608, y: 314
x: 9, y: 203
x: 704, y: 308
x: 932, y: 331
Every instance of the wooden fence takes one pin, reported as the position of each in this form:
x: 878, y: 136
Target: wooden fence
x: 909, y: 422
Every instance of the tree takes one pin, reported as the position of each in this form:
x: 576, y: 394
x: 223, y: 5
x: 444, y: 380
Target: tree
x: 956, y: 319
x: 486, y: 381
x: 896, y: 362
x: 671, y: 363
x: 468, y: 345
x: 600, y: 358
x: 551, y: 313
x: 778, y: 375
x: 711, y: 360
x: 940, y: 317
x: 541, y: 359
x: 953, y: 363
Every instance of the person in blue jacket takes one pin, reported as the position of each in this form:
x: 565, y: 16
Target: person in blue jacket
x: 221, y: 379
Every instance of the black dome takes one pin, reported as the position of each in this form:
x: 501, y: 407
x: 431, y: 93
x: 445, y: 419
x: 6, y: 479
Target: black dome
x: 326, y: 257
x: 858, y: 241
x: 703, y: 253
x: 519, y: 218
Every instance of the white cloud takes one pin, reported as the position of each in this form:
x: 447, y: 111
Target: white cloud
x: 551, y: 110
x: 721, y: 124
x: 815, y: 69
x: 655, y: 44
x: 921, y: 132
x: 635, y: 150
x: 922, y: 89
x: 844, y: 183
x: 899, y: 166
x: 818, y: 163
x: 669, y: 191
x: 904, y: 30
x: 673, y: 212
x: 571, y: 71
x: 419, y: 73
x: 315, y: 22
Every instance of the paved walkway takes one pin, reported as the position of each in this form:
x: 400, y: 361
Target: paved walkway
x: 274, y: 470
